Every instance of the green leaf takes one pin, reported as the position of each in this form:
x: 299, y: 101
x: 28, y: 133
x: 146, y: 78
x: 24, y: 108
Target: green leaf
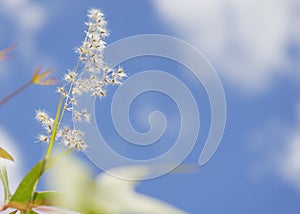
x: 25, y: 192
x: 46, y: 199
x: 31, y: 212
x: 4, y: 154
x: 4, y: 180
x: 52, y: 199
x: 28, y: 212
x: 3, y: 174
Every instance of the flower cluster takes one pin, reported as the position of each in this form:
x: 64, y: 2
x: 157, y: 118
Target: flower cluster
x: 82, y: 115
x: 95, y: 75
x: 46, y: 121
x: 94, y: 79
x: 71, y: 138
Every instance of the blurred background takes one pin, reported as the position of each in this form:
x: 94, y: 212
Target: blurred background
x: 255, y: 49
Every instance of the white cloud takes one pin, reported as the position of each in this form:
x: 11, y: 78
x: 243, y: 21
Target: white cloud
x: 27, y: 18
x: 277, y: 148
x: 246, y: 40
x: 289, y: 160
x: 14, y: 170
x: 290, y: 164
x: 27, y: 14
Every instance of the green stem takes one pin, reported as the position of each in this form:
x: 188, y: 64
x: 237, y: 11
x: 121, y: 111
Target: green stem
x: 50, y: 147
x: 55, y: 127
x: 58, y: 118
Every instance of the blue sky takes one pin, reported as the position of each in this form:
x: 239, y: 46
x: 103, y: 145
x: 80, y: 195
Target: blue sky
x: 255, y: 49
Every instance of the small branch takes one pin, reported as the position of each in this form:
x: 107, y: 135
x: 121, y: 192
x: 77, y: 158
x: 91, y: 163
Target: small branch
x: 14, y: 93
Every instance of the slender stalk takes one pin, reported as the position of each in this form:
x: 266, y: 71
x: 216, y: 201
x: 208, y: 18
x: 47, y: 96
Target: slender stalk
x: 50, y: 147
x: 58, y: 118
x: 65, y: 104
x: 14, y: 93
x: 55, y: 127
x: 71, y: 85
